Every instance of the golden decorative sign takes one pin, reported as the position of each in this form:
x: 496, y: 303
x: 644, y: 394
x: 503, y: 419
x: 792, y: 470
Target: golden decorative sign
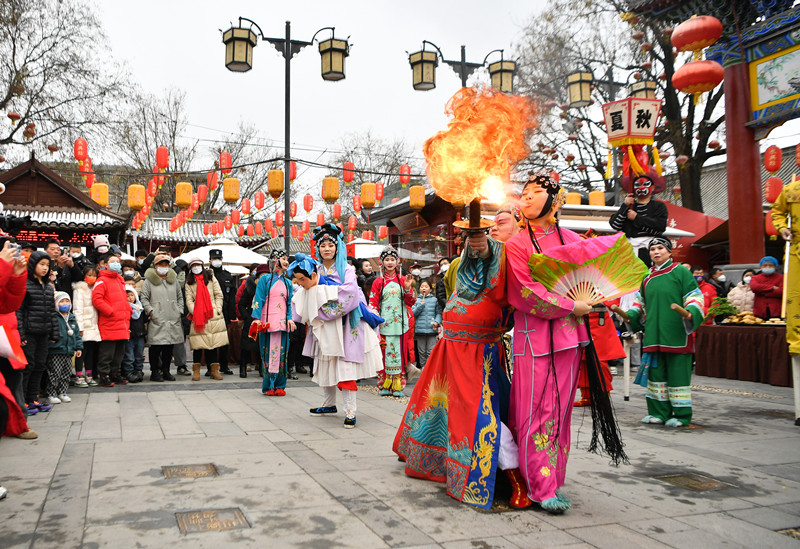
x: 409, y: 222
x: 211, y: 520
x: 694, y: 482
x: 190, y: 471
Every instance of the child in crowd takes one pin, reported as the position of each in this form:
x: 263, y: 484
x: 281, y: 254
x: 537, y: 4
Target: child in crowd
x: 133, y: 361
x: 428, y: 316
x: 59, y: 358
x: 86, y: 315
x: 38, y: 326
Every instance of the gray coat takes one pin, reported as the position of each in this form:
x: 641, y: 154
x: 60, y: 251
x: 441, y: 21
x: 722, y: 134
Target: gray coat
x: 162, y: 300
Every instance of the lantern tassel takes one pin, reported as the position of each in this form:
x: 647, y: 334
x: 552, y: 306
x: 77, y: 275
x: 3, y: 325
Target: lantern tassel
x: 657, y: 161
x: 635, y: 166
x: 609, y: 165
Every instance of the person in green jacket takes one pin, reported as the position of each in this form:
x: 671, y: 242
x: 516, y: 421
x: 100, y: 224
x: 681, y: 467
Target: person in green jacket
x: 61, y: 352
x: 668, y: 308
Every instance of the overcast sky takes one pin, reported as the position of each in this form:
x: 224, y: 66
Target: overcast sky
x: 178, y: 43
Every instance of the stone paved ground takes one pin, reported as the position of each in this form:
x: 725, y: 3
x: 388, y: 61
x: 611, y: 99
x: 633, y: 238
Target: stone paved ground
x: 94, y: 477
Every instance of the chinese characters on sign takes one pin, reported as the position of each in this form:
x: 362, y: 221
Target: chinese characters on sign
x: 631, y: 121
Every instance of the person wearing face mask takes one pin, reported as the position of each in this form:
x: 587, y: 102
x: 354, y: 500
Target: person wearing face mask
x: 414, y: 273
x: 101, y: 246
x: 130, y: 275
x: 63, y: 267
x: 140, y: 257
x: 708, y: 291
x: 61, y: 353
x: 208, y: 332
x: 366, y: 276
x: 768, y: 289
x: 162, y: 300
x: 86, y: 315
x: 440, y: 290
x: 742, y: 296
x: 720, y: 282
x: 228, y: 286
x: 113, y: 320
x: 78, y: 259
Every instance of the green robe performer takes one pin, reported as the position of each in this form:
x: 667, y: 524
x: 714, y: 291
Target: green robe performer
x: 669, y: 308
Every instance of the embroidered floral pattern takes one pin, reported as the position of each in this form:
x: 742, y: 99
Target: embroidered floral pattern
x: 546, y: 441
x: 545, y: 471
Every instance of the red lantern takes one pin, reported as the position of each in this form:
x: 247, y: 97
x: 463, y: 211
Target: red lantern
x: 320, y: 219
x: 236, y: 217
x: 14, y: 116
x: 212, y: 179
x: 383, y: 232
x: 195, y: 201
x: 797, y: 155
x: 773, y: 189
x: 770, y: 228
x: 336, y: 211
x: 273, y: 232
x: 250, y: 230
x: 202, y: 193
x: 225, y: 162
x: 152, y: 188
x: 292, y: 170
x: 773, y: 157
x: 698, y: 76
x: 162, y: 158
x: 341, y: 227
x: 292, y: 210
x: 350, y: 238
x: 90, y: 180
x: 367, y: 235
x: 206, y: 229
x: 259, y: 228
x: 80, y: 149
x: 306, y: 226
x: 228, y: 222
x: 294, y: 231
x: 279, y: 219
x: 258, y: 199
x: 268, y: 224
x: 220, y: 226
x: 348, y: 172
x: 246, y: 206
x: 379, y: 192
x: 696, y: 33
x: 352, y: 223
x: 240, y: 231
x: 357, y: 203
x: 87, y: 165
x: 405, y: 174
x: 308, y: 203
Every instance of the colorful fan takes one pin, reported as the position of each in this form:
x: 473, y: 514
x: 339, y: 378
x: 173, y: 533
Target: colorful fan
x: 592, y: 270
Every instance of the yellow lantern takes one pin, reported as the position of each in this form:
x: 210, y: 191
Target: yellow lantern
x: 230, y: 190
x: 416, y: 197
x: 275, y: 184
x: 597, y: 198
x: 136, y: 197
x: 573, y: 198
x: 99, y: 193
x: 183, y: 194
x: 330, y: 189
x: 367, y: 195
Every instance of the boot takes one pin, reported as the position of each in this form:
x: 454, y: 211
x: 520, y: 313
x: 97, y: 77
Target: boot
x: 196, y: 372
x: 156, y: 375
x: 225, y: 370
x: 242, y: 371
x: 215, y: 371
x: 519, y: 490
x: 586, y: 399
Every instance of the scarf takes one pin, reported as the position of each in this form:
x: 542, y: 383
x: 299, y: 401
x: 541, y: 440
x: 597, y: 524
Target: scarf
x: 203, y: 310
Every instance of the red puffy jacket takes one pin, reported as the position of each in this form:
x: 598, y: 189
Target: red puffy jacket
x: 12, y: 293
x: 111, y: 302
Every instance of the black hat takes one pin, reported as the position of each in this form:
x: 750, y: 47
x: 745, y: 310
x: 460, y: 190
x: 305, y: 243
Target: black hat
x: 180, y: 265
x: 660, y: 240
x: 415, y: 264
x: 328, y: 230
x: 215, y: 253
x: 280, y: 252
x: 27, y: 246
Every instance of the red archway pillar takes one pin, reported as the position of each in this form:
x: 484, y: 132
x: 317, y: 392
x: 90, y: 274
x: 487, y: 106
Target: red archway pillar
x: 745, y: 218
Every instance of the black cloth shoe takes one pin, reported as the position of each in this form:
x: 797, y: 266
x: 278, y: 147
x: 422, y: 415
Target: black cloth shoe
x: 155, y: 375
x: 227, y: 371
x: 242, y: 371
x: 168, y: 376
x: 208, y: 372
x: 300, y: 369
x: 323, y: 410
x: 119, y: 380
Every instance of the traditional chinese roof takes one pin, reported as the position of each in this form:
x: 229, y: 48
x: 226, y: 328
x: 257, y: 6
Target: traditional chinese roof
x: 730, y: 12
x: 296, y: 246
x: 55, y: 217
x: 191, y: 232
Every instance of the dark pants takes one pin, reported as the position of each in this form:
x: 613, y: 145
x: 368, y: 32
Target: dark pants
x: 160, y: 357
x: 109, y: 358
x: 223, y: 357
x: 13, y: 381
x: 133, y: 360
x: 211, y: 356
x: 88, y: 358
x: 36, y: 354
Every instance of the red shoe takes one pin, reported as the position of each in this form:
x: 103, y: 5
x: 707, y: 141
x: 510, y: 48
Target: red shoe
x: 280, y: 393
x: 519, y: 490
x: 582, y: 402
x: 270, y: 393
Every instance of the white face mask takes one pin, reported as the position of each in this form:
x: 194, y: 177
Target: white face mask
x: 162, y: 270
x: 721, y: 278
x: 102, y: 249
x: 140, y: 261
x: 443, y: 268
x: 75, y: 256
x: 415, y: 272
x: 746, y: 279
x: 197, y: 269
x: 217, y: 263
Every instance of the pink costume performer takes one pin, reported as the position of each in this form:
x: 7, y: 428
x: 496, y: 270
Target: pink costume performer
x: 547, y: 346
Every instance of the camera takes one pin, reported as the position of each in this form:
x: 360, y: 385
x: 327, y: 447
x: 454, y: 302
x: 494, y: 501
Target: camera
x: 17, y: 249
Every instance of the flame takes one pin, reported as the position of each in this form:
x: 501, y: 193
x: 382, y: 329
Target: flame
x: 486, y: 136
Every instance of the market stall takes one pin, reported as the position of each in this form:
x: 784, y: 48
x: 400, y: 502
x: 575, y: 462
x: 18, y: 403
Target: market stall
x: 745, y: 353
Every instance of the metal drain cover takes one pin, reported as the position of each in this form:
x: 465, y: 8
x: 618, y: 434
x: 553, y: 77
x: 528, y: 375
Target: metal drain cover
x: 190, y: 471
x: 211, y: 520
x: 694, y: 482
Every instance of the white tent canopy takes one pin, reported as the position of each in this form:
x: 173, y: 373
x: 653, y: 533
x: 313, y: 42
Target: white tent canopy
x: 235, y: 258
x: 367, y: 249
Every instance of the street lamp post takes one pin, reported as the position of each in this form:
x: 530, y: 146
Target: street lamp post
x: 423, y: 65
x: 239, y: 43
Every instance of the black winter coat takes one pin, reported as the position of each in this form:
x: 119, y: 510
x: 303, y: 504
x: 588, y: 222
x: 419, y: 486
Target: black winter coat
x: 38, y: 314
x: 228, y: 286
x: 246, y: 312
